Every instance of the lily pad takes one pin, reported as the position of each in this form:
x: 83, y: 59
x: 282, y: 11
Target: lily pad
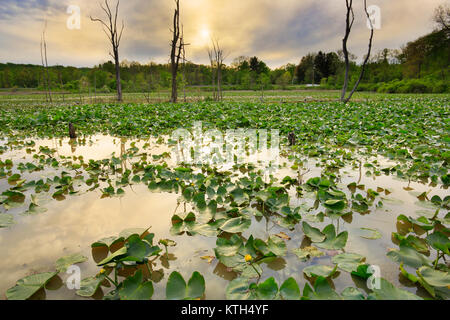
x: 177, y: 289
x: 333, y: 242
x: 388, y: 291
x: 409, y: 256
x: 319, y: 271
x: 65, y: 262
x: 29, y: 285
x: 134, y: 288
x: 313, y: 233
x: 348, y: 261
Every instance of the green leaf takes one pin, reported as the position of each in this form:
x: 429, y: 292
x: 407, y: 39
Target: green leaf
x: 322, y: 291
x: 236, y: 225
x: 267, y: 290
x: 289, y: 290
x: 408, y: 256
x: 434, y: 277
x: 388, y: 291
x: 362, y: 271
x: 348, y: 261
x: 319, y: 271
x: 65, y: 262
x: 332, y: 242
x: 176, y: 287
x: 305, y: 253
x: 439, y: 242
x: 229, y: 247
x: 277, y: 246
x: 196, y: 286
x: 178, y: 290
x: 29, y: 285
x: 134, y: 288
x: 89, y: 286
x: 372, y: 234
x: 238, y: 289
x: 313, y: 233
x: 119, y: 253
x: 352, y: 294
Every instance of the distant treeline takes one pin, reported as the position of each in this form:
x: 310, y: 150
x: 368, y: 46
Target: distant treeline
x: 421, y: 66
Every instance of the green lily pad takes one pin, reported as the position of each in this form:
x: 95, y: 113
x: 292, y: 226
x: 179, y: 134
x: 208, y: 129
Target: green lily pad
x: 177, y: 289
x: 277, y: 246
x: 333, y: 242
x: 89, y: 286
x: 134, y: 288
x: 319, y: 271
x: 305, y: 253
x: 348, y: 261
x: 439, y: 242
x: 388, y: 291
x: 313, y: 233
x: 238, y: 289
x: 289, y: 290
x: 236, y: 225
x: 267, y: 290
x: 65, y: 262
x: 322, y: 291
x: 29, y: 285
x: 371, y: 234
x: 409, y: 256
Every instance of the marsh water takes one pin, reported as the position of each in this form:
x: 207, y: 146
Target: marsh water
x: 71, y: 225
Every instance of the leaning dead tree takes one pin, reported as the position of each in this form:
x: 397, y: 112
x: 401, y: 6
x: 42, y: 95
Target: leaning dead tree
x: 177, y: 46
x: 216, y: 57
x: 114, y: 36
x: 45, y: 73
x: 350, y: 18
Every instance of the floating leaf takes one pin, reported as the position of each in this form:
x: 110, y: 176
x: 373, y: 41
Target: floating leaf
x: 62, y: 264
x: 29, y: 285
x: 372, y: 234
x: 319, y: 271
x: 177, y: 289
x: 134, y: 288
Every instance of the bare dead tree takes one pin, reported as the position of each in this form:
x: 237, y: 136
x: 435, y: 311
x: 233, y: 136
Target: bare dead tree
x: 176, y: 50
x: 217, y: 57
x: 211, y: 56
x: 350, y: 18
x: 46, y: 74
x: 114, y: 36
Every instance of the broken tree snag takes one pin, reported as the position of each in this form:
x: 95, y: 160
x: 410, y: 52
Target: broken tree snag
x: 72, y: 133
x: 292, y: 139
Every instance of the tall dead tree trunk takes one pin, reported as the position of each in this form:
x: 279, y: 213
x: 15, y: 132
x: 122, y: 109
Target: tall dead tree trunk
x: 350, y: 18
x: 213, y: 75
x: 176, y: 49
x: 46, y: 73
x: 110, y: 29
x: 216, y: 55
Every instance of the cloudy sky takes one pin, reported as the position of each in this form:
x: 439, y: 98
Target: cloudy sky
x: 278, y: 32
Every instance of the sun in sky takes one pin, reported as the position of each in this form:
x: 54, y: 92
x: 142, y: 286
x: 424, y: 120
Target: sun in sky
x: 204, y: 36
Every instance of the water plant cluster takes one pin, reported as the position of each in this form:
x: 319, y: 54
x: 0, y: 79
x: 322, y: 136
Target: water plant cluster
x: 411, y: 135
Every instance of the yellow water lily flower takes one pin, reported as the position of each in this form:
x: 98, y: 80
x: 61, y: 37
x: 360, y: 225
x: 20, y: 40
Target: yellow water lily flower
x: 248, y: 258
x: 102, y: 271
